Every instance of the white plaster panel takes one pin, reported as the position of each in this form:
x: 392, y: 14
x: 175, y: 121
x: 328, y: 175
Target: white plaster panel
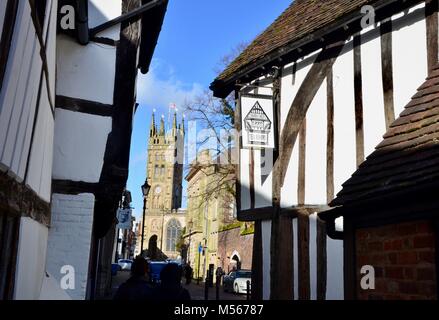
x: 316, y: 142
x: 335, y: 282
x: 31, y: 259
x: 373, y: 99
x: 344, y: 118
x: 245, y: 179
x: 70, y: 239
x: 85, y: 72
x: 290, y: 186
x: 263, y: 185
x: 79, y: 147
x: 100, y: 11
x: 290, y: 84
x: 409, y: 50
x: 266, y: 249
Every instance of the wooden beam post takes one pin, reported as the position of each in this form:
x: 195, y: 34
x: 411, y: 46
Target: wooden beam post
x: 358, y: 92
x: 387, y: 71
x: 431, y: 14
x: 321, y: 260
x: 303, y: 256
x: 281, y: 284
x: 330, y: 138
x: 302, y: 164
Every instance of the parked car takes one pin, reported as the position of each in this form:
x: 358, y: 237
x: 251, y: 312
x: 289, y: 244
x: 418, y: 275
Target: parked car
x: 125, y: 264
x: 236, y: 281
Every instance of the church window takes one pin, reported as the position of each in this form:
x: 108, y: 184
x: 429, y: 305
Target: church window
x: 173, y: 234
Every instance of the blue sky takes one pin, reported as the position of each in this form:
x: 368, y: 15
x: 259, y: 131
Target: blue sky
x: 195, y: 35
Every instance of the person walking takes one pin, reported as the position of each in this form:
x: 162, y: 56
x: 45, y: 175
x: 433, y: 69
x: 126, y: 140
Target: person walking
x: 137, y: 287
x: 170, y: 288
x: 188, y: 274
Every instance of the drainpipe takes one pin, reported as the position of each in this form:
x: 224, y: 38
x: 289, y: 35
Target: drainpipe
x: 82, y: 21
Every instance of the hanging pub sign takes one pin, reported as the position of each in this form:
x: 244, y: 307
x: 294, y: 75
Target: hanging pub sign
x: 257, y: 121
x: 124, y: 218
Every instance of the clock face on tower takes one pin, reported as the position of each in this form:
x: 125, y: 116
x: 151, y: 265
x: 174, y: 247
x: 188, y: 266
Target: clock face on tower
x: 158, y: 189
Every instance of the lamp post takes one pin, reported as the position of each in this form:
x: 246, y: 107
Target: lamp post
x: 145, y: 191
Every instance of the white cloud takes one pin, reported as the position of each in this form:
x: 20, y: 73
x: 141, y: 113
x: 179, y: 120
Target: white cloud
x: 158, y: 93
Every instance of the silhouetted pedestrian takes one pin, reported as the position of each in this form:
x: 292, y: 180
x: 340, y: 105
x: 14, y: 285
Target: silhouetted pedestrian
x: 170, y: 286
x: 188, y: 273
x: 137, y: 286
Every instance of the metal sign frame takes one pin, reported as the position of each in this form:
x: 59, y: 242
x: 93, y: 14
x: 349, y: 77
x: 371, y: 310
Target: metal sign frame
x: 258, y: 123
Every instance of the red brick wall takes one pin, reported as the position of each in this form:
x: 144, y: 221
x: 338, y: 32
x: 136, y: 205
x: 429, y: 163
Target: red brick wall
x: 231, y: 240
x: 403, y: 256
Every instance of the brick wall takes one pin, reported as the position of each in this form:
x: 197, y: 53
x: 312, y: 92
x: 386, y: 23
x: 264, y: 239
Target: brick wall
x: 403, y: 256
x: 70, y: 238
x: 230, y: 241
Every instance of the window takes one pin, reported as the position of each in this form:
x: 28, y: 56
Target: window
x: 162, y: 170
x: 173, y: 234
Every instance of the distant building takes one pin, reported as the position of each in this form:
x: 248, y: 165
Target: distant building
x: 164, y: 219
x: 213, y: 234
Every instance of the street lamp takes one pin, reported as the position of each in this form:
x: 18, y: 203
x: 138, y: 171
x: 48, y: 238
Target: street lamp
x: 145, y: 191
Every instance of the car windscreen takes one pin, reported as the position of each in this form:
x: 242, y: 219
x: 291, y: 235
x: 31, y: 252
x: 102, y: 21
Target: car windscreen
x: 243, y: 274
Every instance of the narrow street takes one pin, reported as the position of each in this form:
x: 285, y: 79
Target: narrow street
x: 196, y: 291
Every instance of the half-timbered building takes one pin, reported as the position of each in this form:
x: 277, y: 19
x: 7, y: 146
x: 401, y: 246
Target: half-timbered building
x: 338, y: 72
x: 389, y: 207
x: 67, y: 99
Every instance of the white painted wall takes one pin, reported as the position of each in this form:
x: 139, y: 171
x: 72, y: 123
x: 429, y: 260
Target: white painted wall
x: 313, y: 255
x: 344, y: 118
x: 334, y: 279
x: 70, y: 238
x: 373, y: 99
x: 79, y: 147
x: 100, y: 11
x: 85, y: 72
x: 31, y: 260
x: 245, y: 179
x: 266, y: 249
x: 409, y: 48
x: 263, y: 187
x: 316, y: 139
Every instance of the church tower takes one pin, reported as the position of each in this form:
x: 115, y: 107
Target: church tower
x: 165, y: 176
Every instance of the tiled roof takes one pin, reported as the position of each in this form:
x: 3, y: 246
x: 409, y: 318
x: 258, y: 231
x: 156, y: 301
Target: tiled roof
x: 298, y: 21
x: 409, y: 154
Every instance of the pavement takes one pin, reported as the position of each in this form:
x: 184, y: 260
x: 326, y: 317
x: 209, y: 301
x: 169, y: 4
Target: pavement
x: 196, y: 291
